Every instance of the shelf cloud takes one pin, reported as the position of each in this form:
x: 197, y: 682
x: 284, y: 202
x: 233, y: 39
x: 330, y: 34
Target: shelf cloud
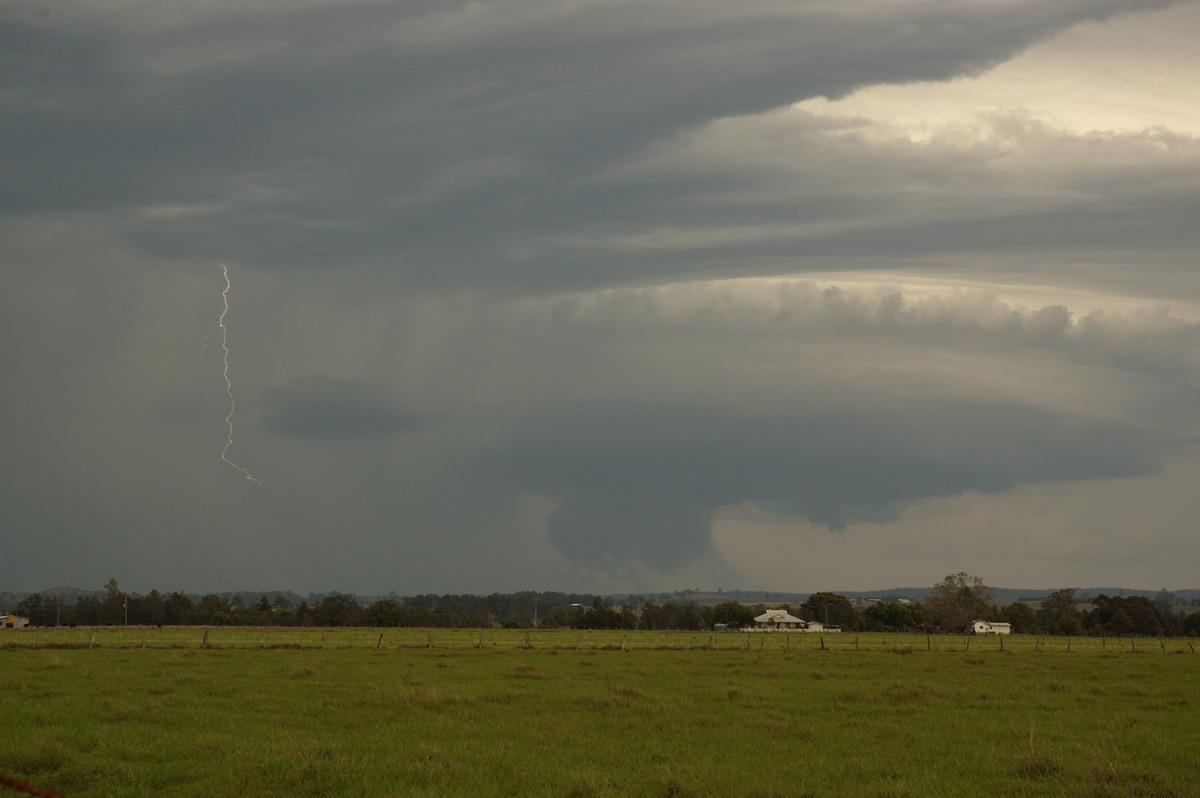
x: 600, y: 296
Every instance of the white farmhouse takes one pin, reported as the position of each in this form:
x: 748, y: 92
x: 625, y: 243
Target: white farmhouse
x: 779, y: 619
x: 989, y: 628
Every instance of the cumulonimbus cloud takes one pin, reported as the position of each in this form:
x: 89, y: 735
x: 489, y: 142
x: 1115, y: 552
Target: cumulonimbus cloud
x: 836, y: 405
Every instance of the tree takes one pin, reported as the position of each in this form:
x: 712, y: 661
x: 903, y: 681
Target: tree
x: 177, y: 609
x: 1118, y: 615
x: 732, y: 613
x: 599, y: 616
x: 114, y: 603
x: 33, y: 608
x: 1164, y: 601
x: 1058, y: 615
x: 340, y: 609
x: 149, y: 608
x: 959, y: 599
x: 386, y: 612
x: 892, y: 616
x: 830, y: 608
x: 1021, y: 617
x: 210, y: 605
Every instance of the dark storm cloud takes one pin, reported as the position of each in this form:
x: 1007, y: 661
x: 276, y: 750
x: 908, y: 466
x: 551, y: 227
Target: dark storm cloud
x: 421, y: 135
x: 532, y: 232
x: 319, y: 407
x: 756, y: 196
x: 640, y: 482
x: 649, y: 494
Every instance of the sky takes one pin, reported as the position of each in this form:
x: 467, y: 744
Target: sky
x: 599, y: 295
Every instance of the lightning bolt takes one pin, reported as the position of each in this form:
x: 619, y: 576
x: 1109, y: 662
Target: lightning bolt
x: 228, y: 382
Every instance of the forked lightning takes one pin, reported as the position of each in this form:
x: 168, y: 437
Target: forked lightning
x: 229, y: 382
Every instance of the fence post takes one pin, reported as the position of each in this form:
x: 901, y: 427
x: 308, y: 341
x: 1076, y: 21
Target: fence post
x: 929, y: 642
x: 1001, y: 642
x: 379, y: 642
x: 624, y: 639
x: 822, y: 642
x: 710, y: 638
x: 266, y: 638
x: 203, y: 643
x: 527, y: 639
x: 480, y: 643
x: 429, y: 638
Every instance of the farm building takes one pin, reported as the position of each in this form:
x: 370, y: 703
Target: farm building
x: 783, y: 621
x: 15, y: 621
x: 989, y: 628
x: 817, y: 626
x: 779, y: 619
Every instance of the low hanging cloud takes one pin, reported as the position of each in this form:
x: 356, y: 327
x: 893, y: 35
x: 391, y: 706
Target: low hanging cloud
x: 833, y: 405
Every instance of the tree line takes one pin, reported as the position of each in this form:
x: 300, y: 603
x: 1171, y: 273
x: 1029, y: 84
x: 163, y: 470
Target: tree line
x: 955, y: 602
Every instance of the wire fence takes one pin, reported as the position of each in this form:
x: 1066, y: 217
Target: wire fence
x: 249, y: 638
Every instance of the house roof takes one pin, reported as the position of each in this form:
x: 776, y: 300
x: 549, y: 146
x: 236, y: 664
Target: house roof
x: 777, y: 616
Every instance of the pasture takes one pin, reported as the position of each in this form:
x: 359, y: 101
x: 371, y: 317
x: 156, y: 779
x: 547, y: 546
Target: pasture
x: 312, y: 712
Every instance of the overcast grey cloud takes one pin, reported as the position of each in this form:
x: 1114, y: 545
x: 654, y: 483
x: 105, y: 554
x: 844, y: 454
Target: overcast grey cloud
x: 608, y: 296
x: 324, y: 407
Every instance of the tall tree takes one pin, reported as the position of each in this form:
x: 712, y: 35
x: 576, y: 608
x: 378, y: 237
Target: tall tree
x: 1059, y: 604
x: 1021, y: 617
x: 33, y: 608
x: 892, y: 616
x: 733, y: 613
x: 386, y: 612
x: 959, y: 599
x: 178, y: 609
x: 114, y: 603
x: 340, y: 609
x: 830, y: 608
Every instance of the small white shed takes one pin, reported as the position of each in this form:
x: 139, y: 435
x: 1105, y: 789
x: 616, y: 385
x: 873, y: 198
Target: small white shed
x: 989, y: 628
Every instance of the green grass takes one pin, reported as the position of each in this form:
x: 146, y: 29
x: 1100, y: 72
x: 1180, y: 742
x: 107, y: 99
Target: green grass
x: 362, y: 637
x: 585, y: 718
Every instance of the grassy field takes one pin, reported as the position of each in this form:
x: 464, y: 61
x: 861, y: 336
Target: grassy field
x: 328, y: 713
x: 365, y: 637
